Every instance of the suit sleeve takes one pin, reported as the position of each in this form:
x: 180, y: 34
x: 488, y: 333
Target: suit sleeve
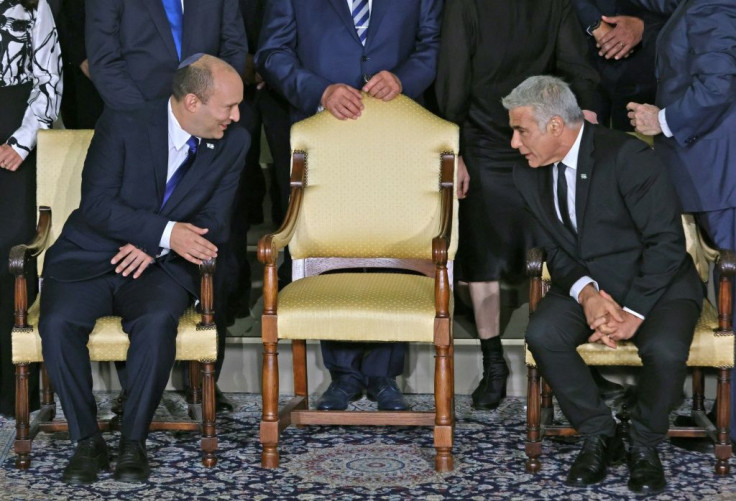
x: 666, y: 7
x: 104, y: 54
x: 278, y: 62
x: 653, y: 206
x: 587, y: 12
x: 711, y: 33
x: 233, y: 41
x: 101, y: 205
x: 454, y: 70
x: 572, y: 59
x: 420, y: 69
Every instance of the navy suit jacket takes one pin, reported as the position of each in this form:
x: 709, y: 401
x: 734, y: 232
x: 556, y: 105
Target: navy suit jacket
x: 123, y: 185
x: 131, y: 51
x: 629, y: 238
x: 307, y: 45
x: 696, y: 71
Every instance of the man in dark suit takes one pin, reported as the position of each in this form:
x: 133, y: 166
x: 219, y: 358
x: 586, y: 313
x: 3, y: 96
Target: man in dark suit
x: 610, y: 223
x: 157, y: 188
x: 694, y: 117
x: 134, y: 46
x: 320, y: 55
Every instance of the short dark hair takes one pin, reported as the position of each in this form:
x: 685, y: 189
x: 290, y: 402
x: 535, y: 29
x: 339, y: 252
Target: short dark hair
x: 195, y: 78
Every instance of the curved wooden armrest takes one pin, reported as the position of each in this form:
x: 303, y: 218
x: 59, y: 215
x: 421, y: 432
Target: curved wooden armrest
x: 441, y: 242
x: 726, y: 269
x: 206, y: 292
x: 269, y: 245
x: 535, y: 258
x: 19, y: 254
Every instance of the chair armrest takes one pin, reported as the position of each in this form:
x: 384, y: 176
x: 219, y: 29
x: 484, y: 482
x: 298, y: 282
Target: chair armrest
x: 535, y: 258
x: 441, y: 242
x: 19, y: 254
x: 206, y: 293
x: 726, y: 270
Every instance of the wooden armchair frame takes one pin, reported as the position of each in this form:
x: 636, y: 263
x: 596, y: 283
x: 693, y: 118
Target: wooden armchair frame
x: 296, y: 411
x: 540, y: 407
x: 201, y: 373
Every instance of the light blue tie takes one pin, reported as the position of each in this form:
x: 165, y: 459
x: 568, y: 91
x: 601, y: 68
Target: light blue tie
x: 175, y: 14
x: 193, y: 143
x: 361, y: 16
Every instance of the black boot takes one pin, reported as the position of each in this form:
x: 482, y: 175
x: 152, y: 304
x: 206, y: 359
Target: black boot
x: 492, y: 387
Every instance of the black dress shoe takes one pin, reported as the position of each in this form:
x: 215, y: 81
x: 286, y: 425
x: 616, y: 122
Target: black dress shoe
x: 647, y: 474
x: 89, y: 458
x: 386, y: 392
x: 132, y: 463
x: 339, y: 394
x: 597, y: 453
x: 222, y: 403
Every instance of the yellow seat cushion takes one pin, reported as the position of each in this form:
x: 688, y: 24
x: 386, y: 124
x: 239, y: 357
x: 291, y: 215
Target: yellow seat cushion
x: 358, y: 307
x: 108, y: 342
x: 708, y: 348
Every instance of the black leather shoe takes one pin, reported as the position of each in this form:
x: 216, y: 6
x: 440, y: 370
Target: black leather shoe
x: 132, y: 463
x: 386, y: 392
x: 222, y: 403
x: 647, y: 474
x: 339, y: 394
x: 89, y: 458
x: 597, y: 453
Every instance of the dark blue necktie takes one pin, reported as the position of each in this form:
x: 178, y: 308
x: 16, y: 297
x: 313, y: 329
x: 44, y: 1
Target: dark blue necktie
x: 175, y: 15
x: 183, y: 168
x: 562, y: 197
x: 361, y: 15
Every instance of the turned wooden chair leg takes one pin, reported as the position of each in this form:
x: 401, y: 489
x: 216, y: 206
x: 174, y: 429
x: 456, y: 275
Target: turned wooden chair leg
x: 209, y: 433
x: 533, y: 446
x: 195, y: 383
x: 47, y: 394
x: 444, y: 418
x: 270, y: 418
x: 698, y: 389
x: 723, y: 446
x: 22, y: 423
x: 299, y: 357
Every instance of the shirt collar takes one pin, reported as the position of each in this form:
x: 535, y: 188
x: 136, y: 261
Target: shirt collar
x: 571, y: 159
x: 178, y: 137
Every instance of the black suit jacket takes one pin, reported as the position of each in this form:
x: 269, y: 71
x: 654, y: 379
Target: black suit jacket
x: 630, y: 237
x: 123, y: 184
x: 131, y: 51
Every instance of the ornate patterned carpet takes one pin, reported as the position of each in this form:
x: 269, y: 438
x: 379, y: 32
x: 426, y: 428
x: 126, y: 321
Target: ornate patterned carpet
x: 349, y: 463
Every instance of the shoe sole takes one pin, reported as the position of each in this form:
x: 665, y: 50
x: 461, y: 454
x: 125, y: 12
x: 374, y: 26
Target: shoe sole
x: 103, y: 464
x: 131, y: 478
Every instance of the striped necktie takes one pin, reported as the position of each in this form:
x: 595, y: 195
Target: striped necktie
x: 183, y: 168
x: 361, y: 16
x: 175, y: 15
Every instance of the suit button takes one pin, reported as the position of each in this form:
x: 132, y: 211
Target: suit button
x: 364, y: 58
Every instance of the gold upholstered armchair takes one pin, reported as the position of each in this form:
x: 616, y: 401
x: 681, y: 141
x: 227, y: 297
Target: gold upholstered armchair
x: 376, y: 192
x: 61, y: 155
x: 712, y: 349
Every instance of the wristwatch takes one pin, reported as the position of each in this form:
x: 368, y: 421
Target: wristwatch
x: 590, y: 29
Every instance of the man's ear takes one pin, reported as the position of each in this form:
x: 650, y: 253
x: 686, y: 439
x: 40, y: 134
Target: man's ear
x: 556, y: 125
x: 191, y: 102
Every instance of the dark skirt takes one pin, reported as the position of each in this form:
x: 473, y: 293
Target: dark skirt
x: 495, y: 229
x: 17, y: 226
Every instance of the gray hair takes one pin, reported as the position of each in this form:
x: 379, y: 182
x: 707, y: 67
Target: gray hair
x: 547, y: 96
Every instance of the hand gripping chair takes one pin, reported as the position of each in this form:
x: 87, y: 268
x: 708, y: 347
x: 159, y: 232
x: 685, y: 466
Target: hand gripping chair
x: 376, y: 192
x: 712, y: 347
x: 61, y: 155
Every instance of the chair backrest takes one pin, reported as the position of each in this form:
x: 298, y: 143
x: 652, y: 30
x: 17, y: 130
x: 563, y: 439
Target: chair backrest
x: 60, y: 160
x: 373, y: 184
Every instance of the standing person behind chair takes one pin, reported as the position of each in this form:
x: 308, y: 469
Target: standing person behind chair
x: 157, y: 188
x: 693, y: 120
x: 609, y: 221
x: 321, y: 54
x: 473, y: 76
x: 30, y: 93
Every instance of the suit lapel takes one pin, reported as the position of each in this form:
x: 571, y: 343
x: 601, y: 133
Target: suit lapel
x: 378, y: 10
x: 343, y: 12
x: 189, y: 25
x: 195, y: 174
x: 158, y: 136
x: 158, y: 15
x: 584, y: 174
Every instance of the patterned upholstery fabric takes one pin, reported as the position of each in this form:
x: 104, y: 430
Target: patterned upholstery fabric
x: 343, y: 165
x: 357, y: 307
x: 708, y: 349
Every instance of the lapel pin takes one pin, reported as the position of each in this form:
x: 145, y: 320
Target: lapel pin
x: 210, y: 146
x: 583, y: 176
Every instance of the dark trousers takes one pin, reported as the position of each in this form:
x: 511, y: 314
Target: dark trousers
x: 720, y: 226
x: 663, y: 340
x: 360, y: 361
x: 150, y: 307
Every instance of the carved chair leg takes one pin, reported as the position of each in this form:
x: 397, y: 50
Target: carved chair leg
x: 209, y: 434
x: 47, y: 394
x: 698, y: 389
x: 195, y: 383
x: 533, y: 444
x: 270, y: 417
x: 22, y: 424
x: 444, y: 418
x: 299, y: 356
x: 723, y: 416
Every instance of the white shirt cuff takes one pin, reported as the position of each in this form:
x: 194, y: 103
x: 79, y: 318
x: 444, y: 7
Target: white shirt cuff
x: 633, y: 313
x: 663, y: 123
x: 578, y: 286
x: 20, y: 151
x: 165, y: 243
